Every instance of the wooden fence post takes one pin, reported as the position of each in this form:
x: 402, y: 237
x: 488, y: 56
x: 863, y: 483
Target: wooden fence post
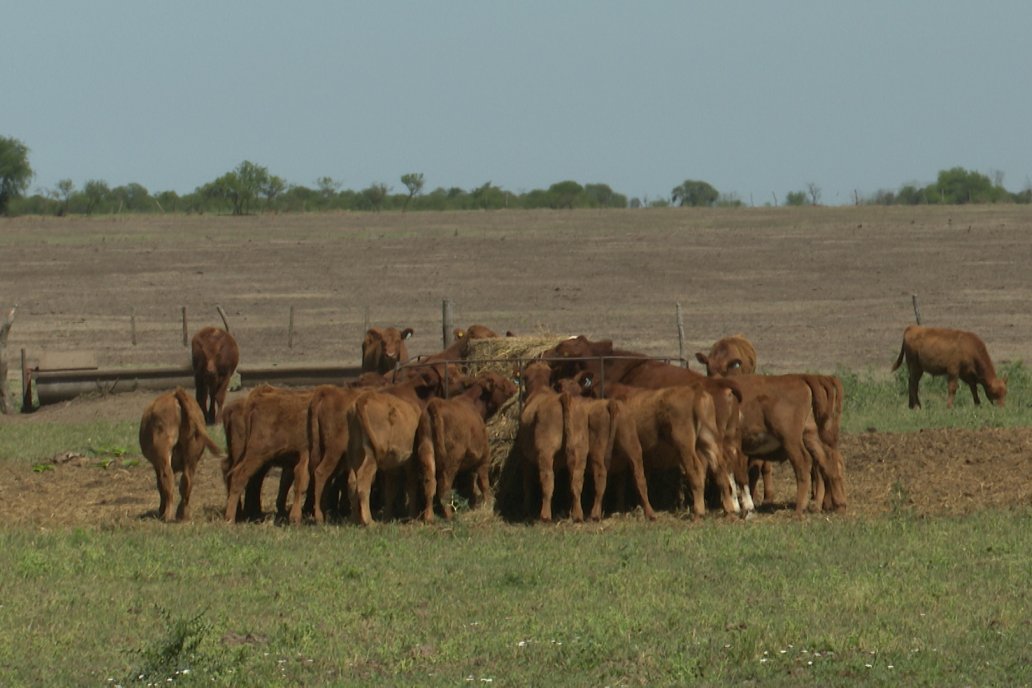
x: 132, y: 325
x: 290, y: 330
x: 446, y: 322
x: 186, y: 341
x: 680, y: 336
x: 5, y: 329
x: 26, y: 383
x: 917, y: 312
x: 222, y: 314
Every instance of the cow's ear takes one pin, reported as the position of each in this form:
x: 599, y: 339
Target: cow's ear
x: 702, y: 358
x: 407, y: 332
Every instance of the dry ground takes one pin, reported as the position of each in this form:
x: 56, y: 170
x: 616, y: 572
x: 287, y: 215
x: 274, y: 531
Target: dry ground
x: 815, y: 289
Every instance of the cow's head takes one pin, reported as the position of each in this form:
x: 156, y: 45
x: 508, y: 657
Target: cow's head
x: 536, y: 376
x: 997, y: 391
x: 383, y: 349
x: 495, y: 389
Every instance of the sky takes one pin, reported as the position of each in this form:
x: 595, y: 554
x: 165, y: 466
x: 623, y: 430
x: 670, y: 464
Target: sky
x: 756, y: 97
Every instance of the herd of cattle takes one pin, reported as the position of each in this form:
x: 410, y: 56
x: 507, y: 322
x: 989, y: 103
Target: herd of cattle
x: 586, y: 408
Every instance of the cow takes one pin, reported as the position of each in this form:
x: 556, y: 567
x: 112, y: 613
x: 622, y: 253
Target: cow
x: 275, y: 431
x: 796, y: 418
x: 478, y: 332
x: 215, y: 356
x: 608, y: 364
x: 613, y: 445
x: 327, y: 440
x: 459, y: 433
x: 173, y: 438
x: 734, y: 355
x: 235, y: 427
x: 389, y: 431
x: 383, y: 349
x: 730, y: 356
x: 957, y: 354
x: 553, y: 433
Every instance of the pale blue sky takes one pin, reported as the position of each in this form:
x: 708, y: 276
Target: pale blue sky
x: 756, y: 97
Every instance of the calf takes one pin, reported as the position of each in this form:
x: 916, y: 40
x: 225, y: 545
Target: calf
x: 459, y: 433
x: 613, y: 446
x: 954, y: 353
x: 389, y: 431
x: 215, y: 356
x: 274, y: 430
x: 553, y: 433
x: 734, y: 355
x: 383, y: 349
x: 788, y: 417
x: 173, y: 438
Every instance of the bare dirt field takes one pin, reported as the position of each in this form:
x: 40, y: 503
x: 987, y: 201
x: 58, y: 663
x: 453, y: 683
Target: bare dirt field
x: 813, y: 288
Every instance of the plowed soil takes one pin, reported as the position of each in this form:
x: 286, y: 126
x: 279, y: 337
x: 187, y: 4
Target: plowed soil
x: 815, y: 289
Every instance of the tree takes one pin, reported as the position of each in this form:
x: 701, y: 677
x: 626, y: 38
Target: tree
x: 564, y: 194
x: 272, y: 188
x: 240, y: 187
x: 796, y: 198
x: 413, y: 181
x: 958, y: 185
x: 15, y: 171
x: 815, y: 193
x: 694, y: 193
x: 95, y: 192
x: 375, y: 195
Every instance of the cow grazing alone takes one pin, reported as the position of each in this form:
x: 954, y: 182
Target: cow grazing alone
x: 383, y: 349
x: 215, y: 356
x: 734, y: 355
x: 954, y: 353
x: 173, y: 438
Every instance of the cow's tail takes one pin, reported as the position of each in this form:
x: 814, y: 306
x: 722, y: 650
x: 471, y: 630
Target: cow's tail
x: 436, y: 422
x: 616, y: 411
x: 193, y: 420
x: 826, y: 394
x: 899, y: 359
x: 315, y: 443
x: 566, y: 401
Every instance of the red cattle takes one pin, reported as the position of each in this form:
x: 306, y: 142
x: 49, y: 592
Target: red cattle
x: 608, y: 365
x: 734, y: 355
x: 459, y: 433
x: 383, y: 349
x: 389, y: 431
x: 954, y: 353
x: 173, y: 438
x: 275, y: 431
x: 215, y: 357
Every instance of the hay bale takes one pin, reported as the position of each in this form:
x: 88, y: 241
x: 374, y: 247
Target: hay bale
x: 503, y: 354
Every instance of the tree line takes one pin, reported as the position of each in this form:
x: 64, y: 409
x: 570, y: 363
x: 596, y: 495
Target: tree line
x: 251, y: 188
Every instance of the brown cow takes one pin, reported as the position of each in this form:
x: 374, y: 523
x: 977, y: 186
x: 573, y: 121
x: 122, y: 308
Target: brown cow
x: 789, y: 417
x: 215, y: 357
x: 173, y: 438
x: 613, y: 445
x: 389, y: 431
x: 235, y: 427
x: 383, y: 349
x: 459, y: 433
x: 955, y: 354
x: 478, y: 332
x: 608, y: 364
x: 734, y: 355
x: 730, y: 356
x: 553, y: 433
x: 275, y: 431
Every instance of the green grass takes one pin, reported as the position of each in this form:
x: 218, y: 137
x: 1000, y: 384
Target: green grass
x: 896, y: 601
x: 880, y: 402
x: 40, y: 441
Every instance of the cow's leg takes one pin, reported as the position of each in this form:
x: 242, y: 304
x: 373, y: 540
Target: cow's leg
x: 630, y: 448
x: 365, y: 473
x: 767, y: 469
x: 577, y: 488
x: 951, y: 390
x: 915, y: 379
x: 713, y: 457
x: 322, y: 475
x: 185, y: 487
x: 219, y: 399
x: 444, y: 491
x: 801, y: 465
x: 286, y: 482
x: 252, y: 507
x: 237, y: 481
x: 426, y: 468
x: 483, y: 481
x: 546, y: 477
x: 300, y: 486
x: 599, y: 474
x: 974, y: 393
x: 166, y: 483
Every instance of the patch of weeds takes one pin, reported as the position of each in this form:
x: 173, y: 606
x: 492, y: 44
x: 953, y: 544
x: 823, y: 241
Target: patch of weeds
x: 900, y: 504
x: 180, y: 652
x: 113, y: 452
x: 42, y: 467
x: 130, y: 463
